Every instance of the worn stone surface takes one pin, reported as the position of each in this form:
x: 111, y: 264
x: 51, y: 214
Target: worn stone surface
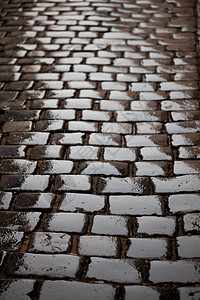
x: 99, y: 149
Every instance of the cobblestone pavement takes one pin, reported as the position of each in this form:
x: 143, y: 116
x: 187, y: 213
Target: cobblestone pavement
x: 99, y: 150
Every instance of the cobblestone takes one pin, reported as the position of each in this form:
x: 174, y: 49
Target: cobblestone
x: 99, y: 152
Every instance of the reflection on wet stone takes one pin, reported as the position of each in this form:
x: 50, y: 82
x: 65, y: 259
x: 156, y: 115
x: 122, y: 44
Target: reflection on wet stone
x: 76, y: 290
x: 58, y: 266
x: 99, y: 150
x: 20, y: 288
x: 10, y: 240
x: 20, y: 221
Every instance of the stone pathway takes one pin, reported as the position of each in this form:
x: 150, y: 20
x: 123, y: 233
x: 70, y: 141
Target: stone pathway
x: 99, y: 150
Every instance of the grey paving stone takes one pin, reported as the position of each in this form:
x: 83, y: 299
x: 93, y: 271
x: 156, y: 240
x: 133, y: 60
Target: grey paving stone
x: 148, y: 248
x: 58, y: 266
x: 157, y: 225
x: 114, y: 270
x: 135, y: 205
x: 65, y: 222
x: 5, y: 200
x: 184, y: 271
x: 73, y: 202
x: 126, y: 185
x: 191, y: 222
x: 110, y: 225
x: 49, y: 242
x: 33, y: 201
x: 188, y: 246
x: 189, y: 293
x: 185, y: 183
x: 91, y: 245
x: 184, y: 203
x: 24, y: 182
x: 8, y: 151
x: 18, y: 287
x: 73, y: 182
x: 10, y: 240
x: 119, y: 154
x: 76, y: 290
x: 19, y: 221
x: 141, y: 293
x: 83, y: 152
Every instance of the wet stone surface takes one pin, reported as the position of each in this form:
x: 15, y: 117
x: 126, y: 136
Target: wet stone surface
x: 99, y: 150
x: 76, y: 290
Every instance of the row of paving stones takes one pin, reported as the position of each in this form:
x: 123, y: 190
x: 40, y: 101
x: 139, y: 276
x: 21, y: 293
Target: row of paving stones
x: 99, y: 149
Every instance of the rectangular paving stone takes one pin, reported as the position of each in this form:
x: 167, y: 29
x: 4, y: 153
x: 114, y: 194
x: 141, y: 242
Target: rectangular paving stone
x: 56, y: 167
x: 156, y: 225
x: 188, y: 246
x: 146, y: 140
x: 67, y: 138
x: 189, y: 152
x: 74, y: 202
x: 28, y: 138
x: 96, y: 245
x: 65, y: 222
x: 17, y: 126
x: 83, y: 152
x: 119, y: 154
x: 113, y: 105
x: 90, y: 115
x: 183, y: 127
x: 72, y: 183
x: 76, y: 290
x: 151, y: 168
x: 187, y: 139
x: 24, y: 182
x: 49, y: 242
x: 33, y: 201
x: 156, y: 153
x: 185, y: 183
x: 191, y: 222
x: 83, y: 126
x: 189, y: 293
x: 21, y: 288
x: 49, y: 125
x: 184, y: 203
x: 145, y: 106
x: 64, y: 93
x: 149, y: 127
x: 146, y: 248
x: 5, y: 200
x: 135, y: 205
x: 141, y: 292
x: 114, y: 270
x: 60, y: 114
x: 178, y: 85
x: 17, y: 166
x: 84, y: 103
x: 49, y: 151
x: 126, y: 185
x: 19, y: 115
x: 185, y: 116
x: 19, y: 221
x: 110, y: 225
x: 104, y: 139
x: 179, y: 105
x: 11, y: 240
x: 104, y: 168
x: 186, y: 167
x: 57, y: 266
x: 140, y: 116
x: 108, y: 127
x: 177, y: 271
